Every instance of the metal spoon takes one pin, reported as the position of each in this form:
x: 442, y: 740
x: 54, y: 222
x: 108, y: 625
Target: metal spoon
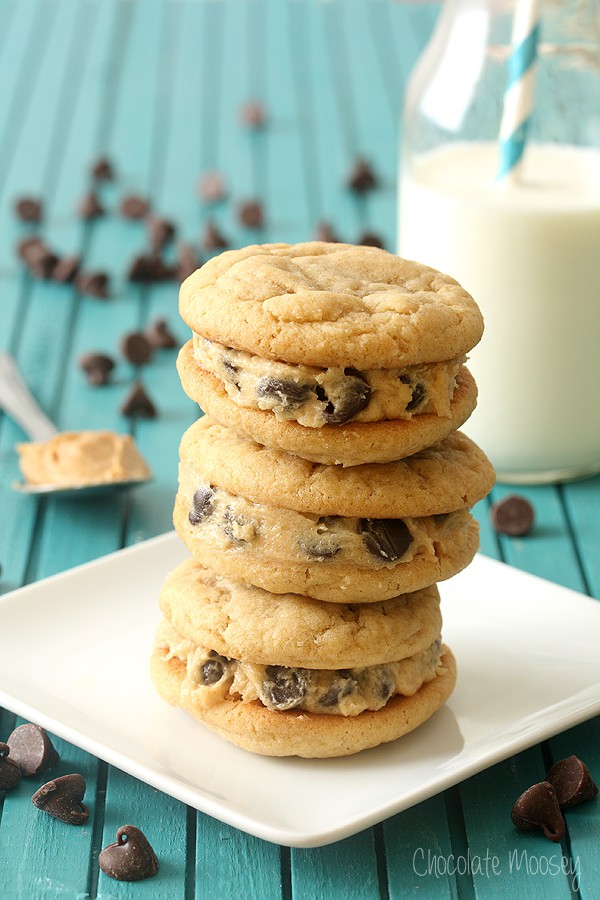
x: 17, y: 401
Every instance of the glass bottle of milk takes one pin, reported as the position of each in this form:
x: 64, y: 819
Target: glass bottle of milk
x: 525, y: 244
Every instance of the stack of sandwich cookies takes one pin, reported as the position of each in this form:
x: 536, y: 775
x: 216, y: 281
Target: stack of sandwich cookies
x: 322, y: 500
x: 340, y: 354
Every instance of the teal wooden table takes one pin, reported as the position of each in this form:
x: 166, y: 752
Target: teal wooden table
x: 157, y: 87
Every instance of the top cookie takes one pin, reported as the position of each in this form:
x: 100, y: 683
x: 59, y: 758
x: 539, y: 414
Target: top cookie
x: 324, y: 304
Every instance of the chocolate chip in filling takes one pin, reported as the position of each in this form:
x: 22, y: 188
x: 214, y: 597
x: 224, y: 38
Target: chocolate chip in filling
x: 284, y: 688
x: 387, y: 539
x: 237, y: 528
x: 289, y: 394
x: 202, y: 505
x: 353, y: 396
x: 230, y: 372
x: 418, y: 393
x: 342, y: 686
x: 213, y: 669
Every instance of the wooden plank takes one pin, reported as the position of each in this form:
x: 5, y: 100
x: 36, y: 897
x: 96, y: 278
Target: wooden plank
x: 233, y: 864
x: 346, y: 870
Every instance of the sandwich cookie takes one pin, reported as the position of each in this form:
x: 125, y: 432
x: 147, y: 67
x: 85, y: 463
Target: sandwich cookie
x: 342, y: 354
x: 361, y: 534
x: 298, y: 677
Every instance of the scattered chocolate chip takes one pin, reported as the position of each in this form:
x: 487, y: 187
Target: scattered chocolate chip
x: 213, y: 669
x: 130, y: 858
x: 31, y: 749
x: 370, y: 239
x: 537, y: 809
x: 342, y: 685
x: 10, y: 772
x: 324, y: 232
x: 288, y: 394
x: 102, y: 170
x: 97, y: 367
x: 160, y: 232
x: 361, y: 178
x: 93, y: 284
x: 30, y: 249
x: 387, y: 539
x: 90, y: 207
x: 250, y: 214
x: 187, y: 262
x: 202, y: 505
x: 212, y: 187
x: 37, y: 256
x: 212, y: 238
x: 147, y: 268
x: 284, y: 687
x: 513, y: 515
x: 62, y: 798
x: 29, y: 209
x: 572, y: 782
x: 137, y: 403
x: 136, y: 348
x: 134, y: 207
x: 356, y: 394
x: 66, y: 269
x: 253, y: 114
x: 160, y: 336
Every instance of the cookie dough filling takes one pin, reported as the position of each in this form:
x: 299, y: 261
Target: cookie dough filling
x: 224, y: 521
x: 213, y: 678
x: 314, y: 397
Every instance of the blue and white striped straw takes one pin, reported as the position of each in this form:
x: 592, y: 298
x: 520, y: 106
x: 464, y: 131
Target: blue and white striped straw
x: 518, y: 99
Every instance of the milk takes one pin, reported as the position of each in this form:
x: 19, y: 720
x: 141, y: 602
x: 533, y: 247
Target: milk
x: 529, y: 253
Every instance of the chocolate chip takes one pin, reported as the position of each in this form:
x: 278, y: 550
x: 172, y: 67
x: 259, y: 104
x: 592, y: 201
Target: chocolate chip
x: 130, y: 858
x: 212, y: 238
x: 418, y: 393
x: 102, y: 170
x: 320, y: 549
x: 149, y: 267
x: 66, y: 269
x: 572, y: 782
x: 385, y: 683
x: 160, y: 232
x: 31, y: 749
x: 232, y: 525
x: 29, y: 209
x: 187, y: 262
x: 213, y: 669
x: 97, y: 367
x: 31, y: 248
x: 387, y: 539
x: 288, y: 394
x: 93, y: 284
x: 285, y: 688
x: 230, y: 372
x: 537, y: 809
x: 370, y: 239
x: 342, y: 686
x: 90, y: 207
x: 136, y: 348
x: 137, y: 403
x: 355, y: 396
x: 134, y: 207
x: 62, y: 798
x: 253, y: 114
x: 202, y: 505
x: 212, y: 187
x: 324, y: 232
x: 160, y: 336
x: 10, y: 772
x: 361, y: 178
x: 512, y: 515
x: 250, y: 214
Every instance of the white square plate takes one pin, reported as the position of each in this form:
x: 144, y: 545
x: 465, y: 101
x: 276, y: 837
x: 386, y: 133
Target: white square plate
x: 528, y: 660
